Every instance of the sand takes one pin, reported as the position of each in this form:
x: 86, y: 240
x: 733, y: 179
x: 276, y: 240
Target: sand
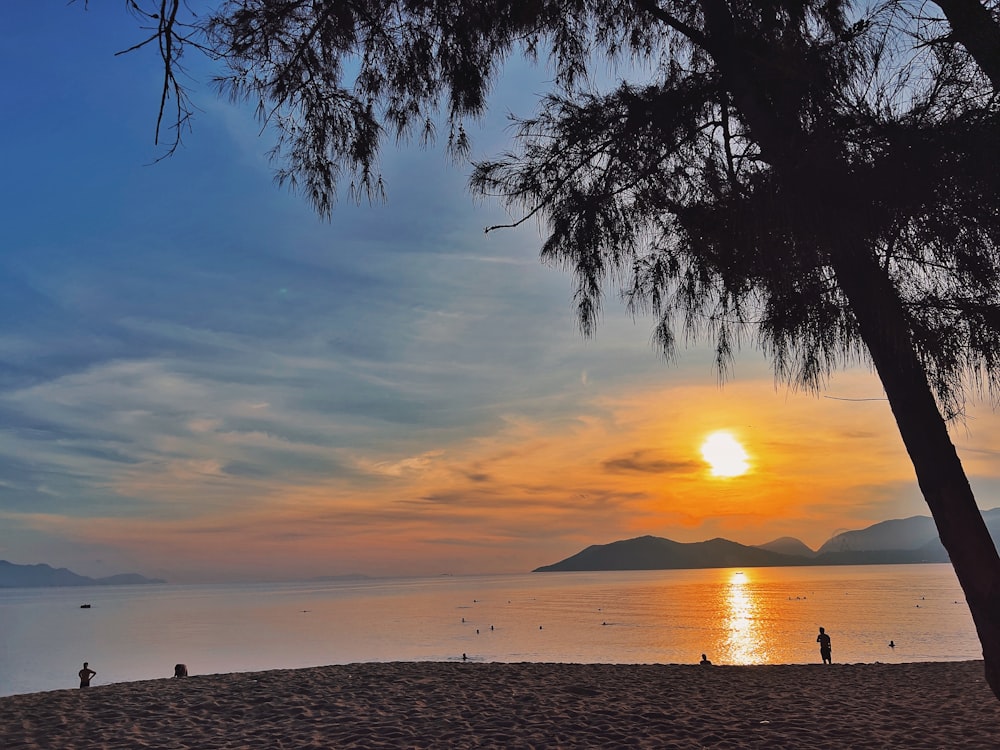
x: 464, y: 705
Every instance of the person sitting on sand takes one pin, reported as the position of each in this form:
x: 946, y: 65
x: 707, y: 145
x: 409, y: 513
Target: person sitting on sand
x: 180, y: 670
x: 704, y: 661
x: 825, y: 651
x: 86, y: 674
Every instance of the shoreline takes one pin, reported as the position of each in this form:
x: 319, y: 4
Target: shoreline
x: 464, y: 705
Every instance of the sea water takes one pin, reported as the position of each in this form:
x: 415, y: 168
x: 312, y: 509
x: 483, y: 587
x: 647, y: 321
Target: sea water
x: 747, y: 616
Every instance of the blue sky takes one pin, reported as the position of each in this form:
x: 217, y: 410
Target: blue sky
x: 201, y: 380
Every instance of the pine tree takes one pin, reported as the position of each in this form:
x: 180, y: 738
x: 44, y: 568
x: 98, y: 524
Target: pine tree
x: 821, y: 179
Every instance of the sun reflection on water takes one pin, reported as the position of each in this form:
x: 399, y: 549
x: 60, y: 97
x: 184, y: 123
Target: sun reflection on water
x: 744, y: 640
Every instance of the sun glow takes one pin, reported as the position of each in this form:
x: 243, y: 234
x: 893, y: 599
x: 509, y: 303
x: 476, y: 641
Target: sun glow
x: 724, y: 455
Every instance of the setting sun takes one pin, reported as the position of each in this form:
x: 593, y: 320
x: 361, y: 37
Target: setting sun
x: 724, y: 455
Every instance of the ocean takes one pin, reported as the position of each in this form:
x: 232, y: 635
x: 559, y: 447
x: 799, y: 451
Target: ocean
x: 748, y: 616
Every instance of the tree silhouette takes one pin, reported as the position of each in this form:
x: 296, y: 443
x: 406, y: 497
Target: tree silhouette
x: 821, y: 180
x: 976, y: 28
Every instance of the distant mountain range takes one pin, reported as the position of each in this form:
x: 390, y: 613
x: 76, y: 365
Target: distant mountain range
x: 29, y: 576
x: 904, y: 540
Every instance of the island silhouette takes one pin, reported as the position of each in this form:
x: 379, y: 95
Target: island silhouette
x: 897, y: 541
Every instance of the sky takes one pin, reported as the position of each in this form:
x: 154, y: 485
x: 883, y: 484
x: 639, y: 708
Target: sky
x: 201, y: 380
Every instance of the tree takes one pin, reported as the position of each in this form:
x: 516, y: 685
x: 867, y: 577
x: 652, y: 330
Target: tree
x: 821, y: 179
x: 976, y: 28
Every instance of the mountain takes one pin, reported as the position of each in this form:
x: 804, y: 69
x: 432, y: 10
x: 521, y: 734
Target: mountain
x: 788, y: 545
x: 905, y: 540
x: 902, y: 533
x: 655, y: 553
x: 916, y: 533
x: 13, y: 575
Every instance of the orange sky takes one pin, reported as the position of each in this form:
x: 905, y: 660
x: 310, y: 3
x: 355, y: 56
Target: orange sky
x: 532, y: 492
x: 202, y: 380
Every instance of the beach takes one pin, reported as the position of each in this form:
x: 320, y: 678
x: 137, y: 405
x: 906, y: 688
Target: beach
x: 469, y: 705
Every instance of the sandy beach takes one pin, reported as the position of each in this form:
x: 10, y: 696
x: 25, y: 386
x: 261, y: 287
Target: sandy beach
x: 464, y: 705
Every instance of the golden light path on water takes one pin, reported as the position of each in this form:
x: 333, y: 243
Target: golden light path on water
x: 744, y: 640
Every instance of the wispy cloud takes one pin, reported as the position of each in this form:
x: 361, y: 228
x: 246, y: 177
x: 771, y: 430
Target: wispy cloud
x: 199, y: 379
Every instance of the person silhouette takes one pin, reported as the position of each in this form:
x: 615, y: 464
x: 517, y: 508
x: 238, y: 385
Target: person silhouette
x: 180, y: 670
x: 86, y: 674
x: 704, y: 661
x: 825, y: 651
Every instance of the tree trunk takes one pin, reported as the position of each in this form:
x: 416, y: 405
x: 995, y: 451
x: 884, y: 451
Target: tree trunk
x: 942, y: 479
x: 974, y: 27
x: 813, y: 175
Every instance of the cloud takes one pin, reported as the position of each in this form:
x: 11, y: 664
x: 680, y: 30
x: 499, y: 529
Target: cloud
x: 640, y: 462
x: 200, y: 379
x: 404, y: 466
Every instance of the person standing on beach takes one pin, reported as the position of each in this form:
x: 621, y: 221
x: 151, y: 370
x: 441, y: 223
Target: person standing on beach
x: 85, y: 675
x: 824, y: 647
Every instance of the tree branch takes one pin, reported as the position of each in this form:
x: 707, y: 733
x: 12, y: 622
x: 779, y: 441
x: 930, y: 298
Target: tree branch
x: 675, y: 23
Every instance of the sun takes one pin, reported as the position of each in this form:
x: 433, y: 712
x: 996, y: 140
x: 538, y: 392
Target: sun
x: 724, y: 455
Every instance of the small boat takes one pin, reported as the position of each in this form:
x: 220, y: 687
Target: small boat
x: 84, y: 606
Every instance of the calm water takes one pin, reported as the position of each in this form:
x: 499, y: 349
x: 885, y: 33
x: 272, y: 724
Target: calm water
x: 752, y: 616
